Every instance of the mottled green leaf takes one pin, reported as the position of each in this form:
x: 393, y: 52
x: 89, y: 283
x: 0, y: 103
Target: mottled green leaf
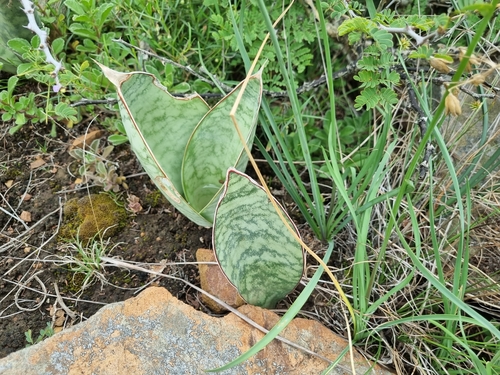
x: 215, y: 146
x: 257, y: 253
x: 184, y: 146
x: 158, y: 126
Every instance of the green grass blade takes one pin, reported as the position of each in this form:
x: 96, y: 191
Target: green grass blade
x: 286, y: 169
x: 287, y: 182
x: 319, y: 213
x: 363, y: 279
x: 438, y: 115
x: 460, y: 304
x: 285, y: 319
x: 372, y: 10
x: 341, y: 355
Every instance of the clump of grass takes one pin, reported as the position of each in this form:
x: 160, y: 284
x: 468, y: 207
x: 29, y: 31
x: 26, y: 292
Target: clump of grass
x: 83, y: 259
x: 415, y: 301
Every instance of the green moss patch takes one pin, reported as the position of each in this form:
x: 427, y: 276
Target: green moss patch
x: 93, y: 214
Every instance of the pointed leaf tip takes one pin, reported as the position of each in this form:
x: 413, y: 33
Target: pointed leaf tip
x: 116, y: 78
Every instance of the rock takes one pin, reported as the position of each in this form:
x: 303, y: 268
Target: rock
x: 213, y: 281
x: 155, y: 333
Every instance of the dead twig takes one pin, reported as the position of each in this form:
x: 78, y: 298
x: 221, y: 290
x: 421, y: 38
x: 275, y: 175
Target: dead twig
x: 23, y: 286
x: 66, y: 309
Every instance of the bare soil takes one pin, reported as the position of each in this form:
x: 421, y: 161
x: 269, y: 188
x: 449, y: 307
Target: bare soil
x: 30, y: 247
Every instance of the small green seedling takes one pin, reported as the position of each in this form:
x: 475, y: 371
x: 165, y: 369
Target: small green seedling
x: 48, y: 331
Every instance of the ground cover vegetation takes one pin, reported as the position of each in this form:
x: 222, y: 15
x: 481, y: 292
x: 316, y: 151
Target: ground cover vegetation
x: 365, y: 109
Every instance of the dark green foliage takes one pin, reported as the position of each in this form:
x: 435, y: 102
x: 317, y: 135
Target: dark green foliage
x: 12, y: 20
x: 298, y: 26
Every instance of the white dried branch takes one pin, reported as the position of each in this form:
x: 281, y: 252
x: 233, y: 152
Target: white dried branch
x: 419, y: 40
x: 42, y: 34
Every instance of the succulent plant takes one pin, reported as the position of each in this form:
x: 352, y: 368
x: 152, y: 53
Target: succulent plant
x: 96, y: 168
